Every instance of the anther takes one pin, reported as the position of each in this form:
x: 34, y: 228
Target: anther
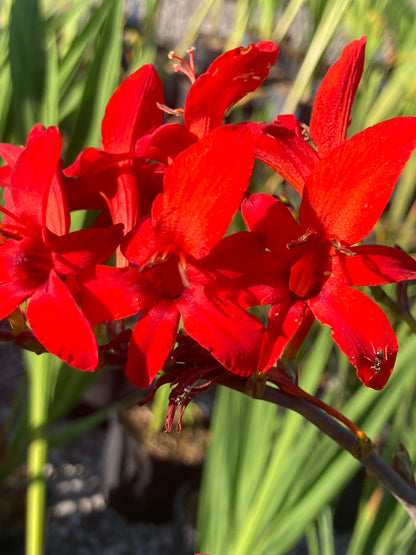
x: 183, y: 272
x: 156, y: 259
x: 306, y: 132
x: 339, y: 247
x: 171, y: 111
x: 10, y: 233
x: 309, y: 233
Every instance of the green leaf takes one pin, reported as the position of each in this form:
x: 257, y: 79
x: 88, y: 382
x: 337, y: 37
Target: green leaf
x: 27, y: 64
x: 328, y: 24
x: 103, y: 76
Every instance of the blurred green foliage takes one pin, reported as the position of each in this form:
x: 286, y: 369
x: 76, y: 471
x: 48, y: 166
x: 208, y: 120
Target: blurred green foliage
x: 270, y: 477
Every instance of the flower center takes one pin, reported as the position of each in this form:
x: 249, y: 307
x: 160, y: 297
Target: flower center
x: 169, y: 272
x: 27, y: 259
x: 311, y: 269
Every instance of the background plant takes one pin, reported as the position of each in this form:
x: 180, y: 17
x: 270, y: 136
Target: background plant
x: 59, y: 65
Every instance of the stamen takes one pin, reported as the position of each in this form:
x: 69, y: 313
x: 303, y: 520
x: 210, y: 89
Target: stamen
x: 17, y: 320
x: 10, y: 233
x: 183, y: 271
x: 10, y: 214
x: 306, y: 132
x: 106, y: 199
x: 186, y: 68
x: 158, y: 257
x: 309, y: 233
x: 171, y: 111
x: 339, y: 247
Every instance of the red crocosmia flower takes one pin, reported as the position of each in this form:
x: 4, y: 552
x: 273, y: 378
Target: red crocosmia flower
x: 228, y: 79
x: 39, y: 259
x: 311, y: 265
x: 282, y: 144
x: 111, y: 175
x: 178, y: 249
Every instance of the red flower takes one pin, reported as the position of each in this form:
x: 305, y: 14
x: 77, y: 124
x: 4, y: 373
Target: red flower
x: 282, y: 144
x: 227, y: 80
x: 39, y: 259
x: 110, y: 177
x: 311, y: 265
x: 181, y: 256
x: 119, y: 176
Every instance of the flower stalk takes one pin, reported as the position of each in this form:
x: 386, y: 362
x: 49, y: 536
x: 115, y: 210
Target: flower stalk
x: 363, y: 451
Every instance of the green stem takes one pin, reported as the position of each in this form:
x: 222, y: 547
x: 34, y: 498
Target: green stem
x: 39, y: 375
x: 364, y: 451
x: 383, y: 298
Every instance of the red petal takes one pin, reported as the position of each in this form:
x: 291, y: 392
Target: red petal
x: 284, y: 320
x: 263, y: 278
x: 332, y: 107
x: 151, y: 184
x: 234, y: 255
x: 118, y: 185
x: 60, y: 326
x: 374, y: 265
x: 124, y: 204
x: 113, y: 293
x: 58, y: 219
x: 11, y: 295
x: 82, y: 249
x: 37, y: 130
x: 92, y: 161
x: 229, y: 78
x: 203, y: 190
x: 349, y: 189
x: 228, y: 332
x: 292, y: 348
x: 270, y: 217
x: 140, y: 244
x: 285, y: 152
x: 236, y: 264
x: 10, y: 153
x: 83, y: 193
x: 151, y: 342
x: 360, y: 328
x: 32, y: 176
x: 291, y: 122
x: 132, y: 110
x: 5, y: 175
x: 165, y: 143
x: 26, y: 261
x: 266, y: 283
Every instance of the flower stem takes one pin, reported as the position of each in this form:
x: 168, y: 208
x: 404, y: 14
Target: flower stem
x: 364, y: 451
x: 39, y: 375
x: 395, y: 307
